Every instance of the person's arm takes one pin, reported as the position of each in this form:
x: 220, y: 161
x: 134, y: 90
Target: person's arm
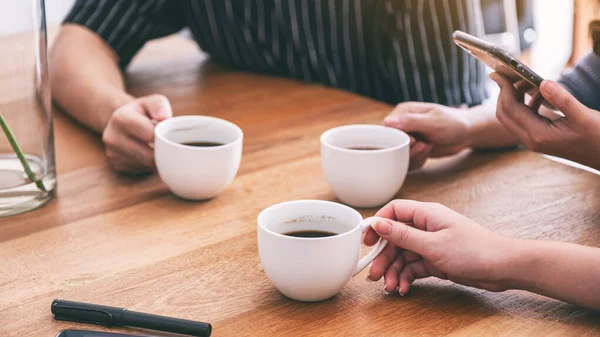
x: 98, y: 40
x: 564, y: 271
x: 438, y: 242
x: 485, y: 130
x: 85, y: 78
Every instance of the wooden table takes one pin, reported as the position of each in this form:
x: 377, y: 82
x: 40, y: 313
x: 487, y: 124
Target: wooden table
x: 128, y: 242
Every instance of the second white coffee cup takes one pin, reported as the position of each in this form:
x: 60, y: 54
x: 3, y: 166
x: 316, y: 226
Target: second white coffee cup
x: 365, y: 165
x: 197, y: 172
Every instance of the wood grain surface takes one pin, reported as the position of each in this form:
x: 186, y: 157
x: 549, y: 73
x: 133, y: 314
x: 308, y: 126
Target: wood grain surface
x: 128, y: 242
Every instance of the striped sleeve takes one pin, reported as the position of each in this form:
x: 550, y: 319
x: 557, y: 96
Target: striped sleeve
x: 126, y: 25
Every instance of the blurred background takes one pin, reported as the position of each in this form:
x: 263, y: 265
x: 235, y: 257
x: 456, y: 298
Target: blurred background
x: 544, y: 27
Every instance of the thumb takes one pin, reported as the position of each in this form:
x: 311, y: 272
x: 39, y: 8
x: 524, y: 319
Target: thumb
x: 558, y: 96
x: 157, y: 107
x: 402, y: 235
x: 409, y: 122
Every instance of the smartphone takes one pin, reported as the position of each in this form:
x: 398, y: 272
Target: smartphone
x: 499, y: 60
x: 86, y: 333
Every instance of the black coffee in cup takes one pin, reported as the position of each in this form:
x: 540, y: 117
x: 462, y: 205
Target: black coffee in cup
x: 202, y: 144
x: 307, y: 234
x: 365, y: 148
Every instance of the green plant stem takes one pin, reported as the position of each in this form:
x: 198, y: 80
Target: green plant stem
x: 13, y: 142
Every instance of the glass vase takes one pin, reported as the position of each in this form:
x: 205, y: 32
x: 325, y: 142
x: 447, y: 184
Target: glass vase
x: 27, y: 170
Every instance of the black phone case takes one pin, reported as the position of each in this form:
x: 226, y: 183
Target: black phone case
x: 496, y: 58
x: 500, y: 61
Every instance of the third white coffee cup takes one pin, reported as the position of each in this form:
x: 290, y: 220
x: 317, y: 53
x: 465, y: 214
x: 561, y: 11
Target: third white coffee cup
x: 315, y: 268
x: 365, y: 165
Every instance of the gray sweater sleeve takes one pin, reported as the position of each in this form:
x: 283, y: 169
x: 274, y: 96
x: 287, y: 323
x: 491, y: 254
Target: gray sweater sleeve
x: 583, y: 81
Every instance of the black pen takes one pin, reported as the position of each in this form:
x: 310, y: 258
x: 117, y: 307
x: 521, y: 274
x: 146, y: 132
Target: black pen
x: 112, y: 316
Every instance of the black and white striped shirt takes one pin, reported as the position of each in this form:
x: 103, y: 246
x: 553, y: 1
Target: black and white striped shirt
x: 390, y: 50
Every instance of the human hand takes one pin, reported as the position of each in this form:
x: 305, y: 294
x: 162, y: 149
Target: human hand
x: 129, y: 134
x: 428, y: 239
x: 436, y: 130
x: 575, y: 137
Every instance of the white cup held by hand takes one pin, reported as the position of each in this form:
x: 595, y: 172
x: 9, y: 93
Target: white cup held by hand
x: 312, y: 269
x: 365, y: 165
x: 197, y: 172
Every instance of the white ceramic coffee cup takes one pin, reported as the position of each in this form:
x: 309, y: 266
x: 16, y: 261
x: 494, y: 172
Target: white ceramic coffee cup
x: 365, y: 178
x: 312, y: 269
x: 197, y: 173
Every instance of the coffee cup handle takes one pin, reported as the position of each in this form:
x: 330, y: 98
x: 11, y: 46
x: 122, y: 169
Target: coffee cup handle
x: 379, y: 246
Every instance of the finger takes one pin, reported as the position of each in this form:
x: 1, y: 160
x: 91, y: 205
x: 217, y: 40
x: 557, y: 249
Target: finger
x: 419, y: 148
x: 403, y: 236
x: 410, y: 256
x: 511, y: 125
x: 561, y: 99
x: 516, y: 116
x: 535, y: 102
x: 410, y: 273
x: 434, y: 271
x: 407, y: 108
x: 519, y: 118
x: 415, y: 213
x: 522, y: 87
x: 419, y: 152
x: 502, y: 81
x: 157, y: 107
x: 512, y: 92
x: 382, y: 261
x: 371, y: 237
x: 135, y: 151
x: 121, y: 163
x: 445, y: 151
x: 409, y: 122
x: 417, y: 163
x: 418, y: 159
x: 134, y: 125
x: 391, y: 274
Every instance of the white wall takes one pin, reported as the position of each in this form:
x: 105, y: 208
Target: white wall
x: 56, y: 10
x: 15, y: 15
x: 553, y: 48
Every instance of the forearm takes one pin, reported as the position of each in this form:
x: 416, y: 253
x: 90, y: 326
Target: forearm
x: 564, y: 271
x: 85, y: 78
x: 486, y: 131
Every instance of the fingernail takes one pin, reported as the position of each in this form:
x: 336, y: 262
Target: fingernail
x: 391, y: 120
x: 369, y: 278
x: 550, y: 87
x: 412, y: 140
x: 385, y: 290
x: 382, y: 227
x: 400, y: 293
